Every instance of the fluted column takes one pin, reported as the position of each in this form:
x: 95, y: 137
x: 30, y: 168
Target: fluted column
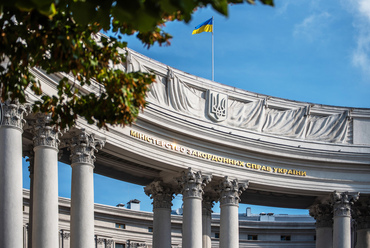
x: 45, y: 195
x: 207, y: 204
x: 323, y: 214
x: 192, y: 184
x: 230, y: 191
x: 11, y: 196
x: 361, y: 214
x: 83, y: 146
x: 342, y: 218
x: 162, y: 196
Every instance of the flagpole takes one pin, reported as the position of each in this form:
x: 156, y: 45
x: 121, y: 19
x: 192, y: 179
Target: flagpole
x: 213, y: 51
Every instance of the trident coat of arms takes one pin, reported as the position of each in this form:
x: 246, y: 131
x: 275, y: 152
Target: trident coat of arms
x: 217, y: 105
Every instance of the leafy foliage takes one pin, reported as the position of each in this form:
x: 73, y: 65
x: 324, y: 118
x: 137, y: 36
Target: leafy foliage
x: 60, y: 36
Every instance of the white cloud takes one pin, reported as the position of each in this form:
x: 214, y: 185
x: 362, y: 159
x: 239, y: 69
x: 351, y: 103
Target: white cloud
x: 312, y: 27
x: 361, y: 14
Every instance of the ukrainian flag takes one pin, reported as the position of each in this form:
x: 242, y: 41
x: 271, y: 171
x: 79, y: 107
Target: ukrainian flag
x: 206, y: 26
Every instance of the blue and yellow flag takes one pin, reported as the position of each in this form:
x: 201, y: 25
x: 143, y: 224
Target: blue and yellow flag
x: 206, y: 26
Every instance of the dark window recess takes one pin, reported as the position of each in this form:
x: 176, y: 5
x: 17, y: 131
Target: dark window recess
x: 285, y: 237
x: 120, y: 226
x: 252, y: 237
x: 217, y: 235
x: 150, y: 229
x: 120, y: 245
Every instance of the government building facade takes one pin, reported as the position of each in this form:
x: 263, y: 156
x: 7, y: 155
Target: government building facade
x: 126, y: 226
x: 206, y: 141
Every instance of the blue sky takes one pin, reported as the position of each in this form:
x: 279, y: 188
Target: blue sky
x: 308, y: 50
x: 314, y: 51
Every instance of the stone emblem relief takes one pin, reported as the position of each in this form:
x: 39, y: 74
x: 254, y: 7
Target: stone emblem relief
x: 217, y: 105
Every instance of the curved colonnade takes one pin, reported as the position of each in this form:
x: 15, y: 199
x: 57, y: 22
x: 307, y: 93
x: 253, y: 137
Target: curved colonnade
x: 209, y: 142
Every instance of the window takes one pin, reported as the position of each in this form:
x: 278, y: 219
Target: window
x: 120, y: 245
x: 120, y: 226
x: 285, y: 237
x: 252, y: 237
x: 217, y: 235
x: 150, y: 229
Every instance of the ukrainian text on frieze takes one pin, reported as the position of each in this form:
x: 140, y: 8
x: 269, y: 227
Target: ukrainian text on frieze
x: 215, y: 158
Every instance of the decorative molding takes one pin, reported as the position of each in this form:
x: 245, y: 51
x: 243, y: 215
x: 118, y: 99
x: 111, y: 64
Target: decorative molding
x: 230, y: 191
x: 161, y: 194
x: 342, y: 203
x: 192, y: 183
x: 323, y: 214
x: 83, y: 146
x: 11, y: 114
x: 44, y: 133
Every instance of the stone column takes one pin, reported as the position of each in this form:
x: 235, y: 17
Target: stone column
x: 83, y: 146
x: 230, y: 190
x: 162, y: 196
x: 323, y: 214
x: 31, y: 158
x: 207, y: 204
x: 342, y: 218
x: 192, y: 184
x: 45, y: 195
x: 361, y: 214
x: 65, y: 239
x: 11, y: 195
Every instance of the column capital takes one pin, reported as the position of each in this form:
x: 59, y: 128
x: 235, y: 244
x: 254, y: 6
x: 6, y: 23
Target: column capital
x: 31, y: 159
x: 45, y: 134
x: 230, y: 191
x: 192, y: 183
x: 109, y: 243
x: 208, y: 203
x: 361, y: 213
x: 11, y: 114
x: 65, y: 235
x: 161, y: 194
x: 323, y: 214
x: 343, y: 201
x: 83, y: 146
